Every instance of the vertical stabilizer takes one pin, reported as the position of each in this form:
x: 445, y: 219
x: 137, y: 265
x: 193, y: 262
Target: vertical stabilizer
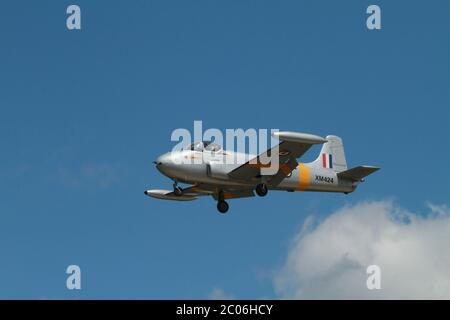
x: 332, y: 155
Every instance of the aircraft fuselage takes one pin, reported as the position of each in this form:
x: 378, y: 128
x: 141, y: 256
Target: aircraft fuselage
x: 195, y: 167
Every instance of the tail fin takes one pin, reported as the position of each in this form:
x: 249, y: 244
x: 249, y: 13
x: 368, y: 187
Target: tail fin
x: 332, y: 155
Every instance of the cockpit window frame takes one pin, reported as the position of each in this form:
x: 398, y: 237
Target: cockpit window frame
x: 195, y: 146
x: 212, y: 147
x: 201, y: 146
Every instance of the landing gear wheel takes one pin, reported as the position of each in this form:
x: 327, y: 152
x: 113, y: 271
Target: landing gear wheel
x: 222, y: 206
x: 261, y: 189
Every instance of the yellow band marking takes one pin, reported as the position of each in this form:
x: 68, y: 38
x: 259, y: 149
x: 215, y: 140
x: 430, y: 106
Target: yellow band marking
x: 304, y: 178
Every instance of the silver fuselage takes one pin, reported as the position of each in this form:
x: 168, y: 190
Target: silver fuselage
x: 212, y: 168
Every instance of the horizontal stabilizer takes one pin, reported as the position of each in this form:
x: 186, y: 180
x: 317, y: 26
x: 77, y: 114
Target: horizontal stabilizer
x: 357, y: 173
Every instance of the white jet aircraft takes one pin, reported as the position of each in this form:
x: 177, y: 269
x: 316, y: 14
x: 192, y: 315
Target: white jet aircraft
x: 227, y: 175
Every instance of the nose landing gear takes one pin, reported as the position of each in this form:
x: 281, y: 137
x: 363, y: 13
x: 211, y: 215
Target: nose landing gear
x: 177, y: 190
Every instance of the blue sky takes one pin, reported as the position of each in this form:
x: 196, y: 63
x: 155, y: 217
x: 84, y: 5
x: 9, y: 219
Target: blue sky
x: 84, y: 114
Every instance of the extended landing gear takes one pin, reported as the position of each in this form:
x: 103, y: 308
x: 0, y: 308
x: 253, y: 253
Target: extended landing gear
x: 222, y: 205
x: 177, y: 190
x: 261, y: 190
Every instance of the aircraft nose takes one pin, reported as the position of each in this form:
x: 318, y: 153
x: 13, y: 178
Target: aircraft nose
x: 164, y: 163
x: 163, y: 160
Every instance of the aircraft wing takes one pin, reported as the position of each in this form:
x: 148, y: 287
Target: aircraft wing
x: 235, y: 193
x: 292, y: 146
x: 229, y: 192
x: 195, y: 191
x: 189, y: 193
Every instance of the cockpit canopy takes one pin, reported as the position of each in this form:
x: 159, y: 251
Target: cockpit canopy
x: 203, y: 145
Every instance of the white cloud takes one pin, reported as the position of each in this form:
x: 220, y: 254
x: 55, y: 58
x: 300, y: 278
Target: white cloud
x: 329, y: 261
x: 219, y: 294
